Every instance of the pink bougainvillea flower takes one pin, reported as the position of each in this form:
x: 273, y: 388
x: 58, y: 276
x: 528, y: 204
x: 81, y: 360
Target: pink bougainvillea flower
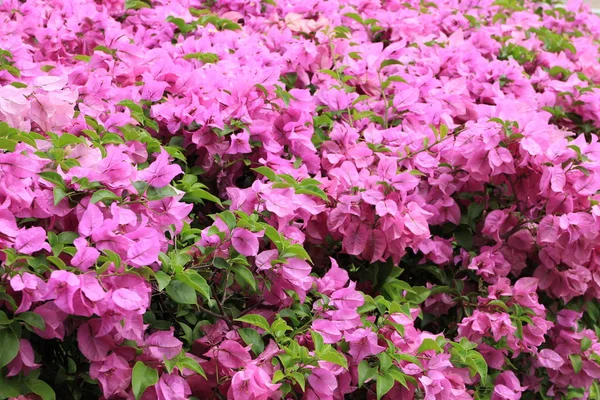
x: 91, y: 220
x: 32, y: 289
x: 94, y: 348
x: 25, y: 360
x: 550, y: 359
x: 30, y: 240
x: 459, y: 145
x: 322, y: 382
x: 86, y: 255
x: 328, y: 330
x: 252, y: 383
x: 61, y: 288
x: 231, y: 354
x: 507, y: 387
x: 172, y: 387
x: 160, y: 173
x: 363, y: 343
x: 128, y: 299
x: 162, y: 345
x: 245, y: 242
x: 113, y: 374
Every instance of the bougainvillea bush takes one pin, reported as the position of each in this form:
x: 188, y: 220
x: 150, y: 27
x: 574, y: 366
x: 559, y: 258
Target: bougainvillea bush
x: 299, y: 199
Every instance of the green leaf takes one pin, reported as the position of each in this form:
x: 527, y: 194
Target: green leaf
x: 105, y: 49
x: 57, y: 261
x: 256, y: 320
x: 41, y: 388
x: 53, y: 177
x: 170, y: 364
x: 180, y: 23
x: 4, y: 320
x: 289, y: 179
x: 59, y: 194
x: 32, y: 319
x: 576, y: 362
x: 388, y: 62
x: 299, y: 378
x: 253, y: 338
x: 9, y: 387
x: 82, y: 57
x: 105, y: 196
x: 198, y: 282
x: 279, y: 327
x: 464, y: 237
x: 393, y: 78
x: 206, y: 58
x: 334, y: 356
x: 162, y: 279
x: 141, y: 187
x: 198, y: 195
x: 429, y: 344
x: 160, y: 193
x: 9, y: 346
x: 384, y: 384
x: 113, y: 257
x: 7, y: 144
x: 498, y: 303
x: 278, y: 375
x: 67, y: 237
x: 365, y: 372
x: 142, y: 377
x: 435, y: 271
x: 229, y: 219
x: 19, y: 85
x: 220, y: 263
x: 244, y: 276
x: 191, y: 364
x: 477, y: 363
x: 9, y: 300
x: 474, y: 211
x: 296, y: 250
x: 66, y: 139
x: 576, y: 394
x: 11, y: 70
x: 586, y: 343
x: 263, y: 89
x: 317, y: 340
x: 137, y: 111
x: 275, y: 236
x: 187, y: 332
x: 399, y: 376
x: 136, y: 5
x: 393, y: 290
x: 399, y: 327
x: 268, y: 172
x: 355, y: 17
x: 312, y: 190
x: 385, y: 362
x: 519, y: 326
x: 181, y: 293
x: 57, y: 248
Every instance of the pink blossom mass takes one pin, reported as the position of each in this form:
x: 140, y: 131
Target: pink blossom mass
x: 299, y: 199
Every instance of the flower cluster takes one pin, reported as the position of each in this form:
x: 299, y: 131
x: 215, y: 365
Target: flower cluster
x: 299, y: 199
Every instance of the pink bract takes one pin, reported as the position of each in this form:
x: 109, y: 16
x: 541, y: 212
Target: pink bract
x: 299, y: 199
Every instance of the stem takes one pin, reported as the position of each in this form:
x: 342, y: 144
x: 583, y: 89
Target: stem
x: 247, y: 310
x: 224, y: 315
x: 207, y: 311
x: 428, y: 147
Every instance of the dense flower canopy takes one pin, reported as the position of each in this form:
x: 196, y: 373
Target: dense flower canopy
x: 299, y: 199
